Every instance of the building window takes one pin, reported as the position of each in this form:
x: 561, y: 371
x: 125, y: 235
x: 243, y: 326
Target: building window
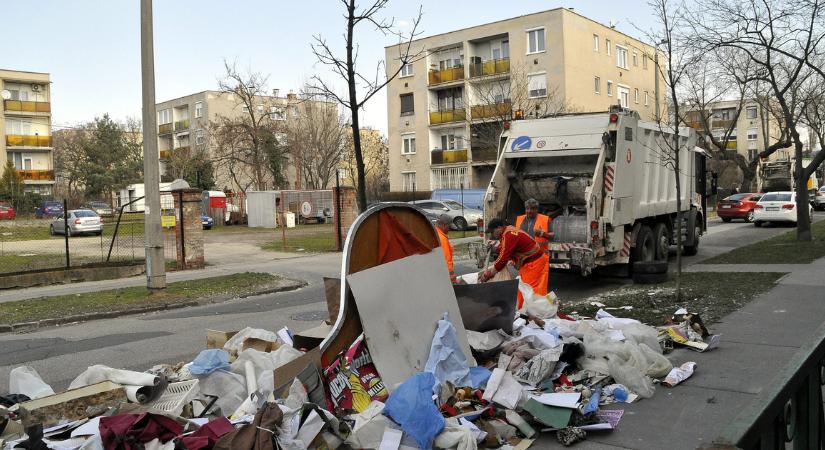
x: 752, y: 134
x: 199, y: 137
x: 624, y: 96
x: 646, y: 98
x: 164, y: 116
x: 621, y: 57
x: 752, y: 154
x: 198, y: 109
x: 245, y: 108
x: 537, y: 85
x: 644, y: 62
x: 260, y: 109
x: 408, y: 144
x: 635, y: 58
x: 597, y: 85
x: 276, y: 112
x: 406, y: 70
x: 595, y: 42
x: 751, y: 112
x: 607, y: 46
x: 450, y: 99
x: 452, y: 141
x: 609, y: 88
x: 408, y: 181
x: 723, y: 114
x: 27, y: 164
x: 733, y: 136
x: 636, y: 95
x: 535, y: 40
x: 407, y: 105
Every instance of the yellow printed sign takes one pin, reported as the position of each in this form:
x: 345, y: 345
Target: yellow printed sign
x: 167, y: 221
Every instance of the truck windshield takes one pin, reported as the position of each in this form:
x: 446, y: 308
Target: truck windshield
x: 776, y: 198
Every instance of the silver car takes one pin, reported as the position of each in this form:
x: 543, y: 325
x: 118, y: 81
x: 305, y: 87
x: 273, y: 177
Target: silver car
x: 101, y: 208
x: 819, y: 199
x: 462, y: 216
x: 80, y: 221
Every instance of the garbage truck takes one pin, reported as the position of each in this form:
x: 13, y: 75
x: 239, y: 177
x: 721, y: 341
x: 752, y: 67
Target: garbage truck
x: 607, y: 181
x: 775, y: 176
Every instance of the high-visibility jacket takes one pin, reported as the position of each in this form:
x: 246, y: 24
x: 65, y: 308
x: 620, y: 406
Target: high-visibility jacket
x: 447, y: 248
x: 542, y: 222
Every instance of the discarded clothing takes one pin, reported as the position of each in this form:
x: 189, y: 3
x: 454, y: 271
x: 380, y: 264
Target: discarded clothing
x: 129, y: 431
x: 258, y: 435
x: 446, y: 361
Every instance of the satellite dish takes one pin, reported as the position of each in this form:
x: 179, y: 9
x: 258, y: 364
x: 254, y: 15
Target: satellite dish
x: 6, y: 94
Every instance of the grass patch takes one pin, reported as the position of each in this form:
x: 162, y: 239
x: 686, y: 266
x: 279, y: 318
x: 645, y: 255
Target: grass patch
x: 320, y: 242
x: 782, y: 249
x: 711, y: 294
x: 118, y: 299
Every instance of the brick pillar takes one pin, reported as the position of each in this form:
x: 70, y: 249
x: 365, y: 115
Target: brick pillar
x: 348, y: 211
x: 189, y: 237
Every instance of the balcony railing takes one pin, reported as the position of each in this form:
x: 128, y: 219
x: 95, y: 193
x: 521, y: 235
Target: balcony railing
x: 165, y: 128
x: 15, y: 140
x: 446, y: 75
x: 165, y: 154
x: 484, y: 154
x: 721, y: 123
x: 182, y: 125
x: 731, y: 145
x: 453, y: 115
x: 498, y: 110
x: 491, y: 67
x: 36, y: 175
x: 26, y: 106
x: 448, y: 156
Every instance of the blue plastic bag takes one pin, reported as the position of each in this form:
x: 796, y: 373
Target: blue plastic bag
x: 479, y: 377
x: 411, y: 406
x: 209, y: 361
x: 446, y: 361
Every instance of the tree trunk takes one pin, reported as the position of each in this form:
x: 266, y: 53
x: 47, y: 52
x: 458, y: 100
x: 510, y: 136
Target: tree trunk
x: 803, y: 219
x: 353, y: 107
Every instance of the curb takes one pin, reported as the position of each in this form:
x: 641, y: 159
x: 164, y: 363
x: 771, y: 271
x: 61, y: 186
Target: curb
x: 35, y: 325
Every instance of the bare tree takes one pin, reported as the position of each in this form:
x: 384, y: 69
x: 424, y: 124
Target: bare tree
x: 314, y: 138
x: 783, y: 40
x: 245, y: 144
x: 376, y: 157
x: 346, y: 68
x: 69, y: 157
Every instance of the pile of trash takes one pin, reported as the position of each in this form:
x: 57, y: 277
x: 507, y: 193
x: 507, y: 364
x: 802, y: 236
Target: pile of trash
x: 432, y: 366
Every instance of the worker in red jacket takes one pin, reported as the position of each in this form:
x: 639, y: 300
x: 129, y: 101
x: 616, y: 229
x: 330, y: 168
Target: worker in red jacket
x: 518, y: 247
x: 535, y: 224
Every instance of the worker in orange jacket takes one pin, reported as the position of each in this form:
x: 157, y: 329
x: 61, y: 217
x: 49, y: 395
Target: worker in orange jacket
x: 442, y: 226
x: 535, y: 224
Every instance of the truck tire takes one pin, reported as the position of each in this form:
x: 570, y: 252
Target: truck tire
x: 692, y: 250
x: 645, y: 249
x: 662, y: 238
x: 648, y: 268
x: 649, y: 278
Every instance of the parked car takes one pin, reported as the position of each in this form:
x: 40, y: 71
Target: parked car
x: 49, y: 209
x: 462, y: 218
x: 80, y: 221
x: 6, y: 212
x: 819, y: 199
x: 777, y: 207
x: 737, y: 206
x: 102, y: 209
x: 207, y: 222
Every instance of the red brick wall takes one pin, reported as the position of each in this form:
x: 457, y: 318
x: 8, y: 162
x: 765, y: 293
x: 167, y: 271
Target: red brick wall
x: 190, y: 245
x: 348, y: 211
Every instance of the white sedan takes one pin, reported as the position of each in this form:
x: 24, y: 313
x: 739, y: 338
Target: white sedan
x: 777, y: 207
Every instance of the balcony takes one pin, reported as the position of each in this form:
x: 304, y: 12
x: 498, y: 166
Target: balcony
x: 496, y: 110
x: 491, y: 67
x: 15, y: 140
x: 25, y: 106
x: 731, y: 145
x: 36, y: 175
x: 165, y: 128
x: 165, y: 154
x: 720, y: 123
x: 448, y: 156
x: 182, y: 125
x: 453, y: 115
x: 484, y: 155
x: 445, y: 75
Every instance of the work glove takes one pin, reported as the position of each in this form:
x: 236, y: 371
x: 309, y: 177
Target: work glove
x: 486, y: 275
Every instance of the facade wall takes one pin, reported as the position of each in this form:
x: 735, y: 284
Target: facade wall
x: 25, y: 121
x: 567, y: 63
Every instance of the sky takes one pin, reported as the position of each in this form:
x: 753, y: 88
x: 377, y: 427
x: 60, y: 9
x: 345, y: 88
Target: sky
x: 91, y: 48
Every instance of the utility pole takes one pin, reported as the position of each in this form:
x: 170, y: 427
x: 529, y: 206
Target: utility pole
x: 153, y: 233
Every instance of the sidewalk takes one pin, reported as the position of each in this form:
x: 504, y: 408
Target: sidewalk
x: 757, y: 343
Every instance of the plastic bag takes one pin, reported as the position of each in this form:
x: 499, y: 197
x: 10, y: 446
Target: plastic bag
x: 235, y: 344
x: 25, y: 380
x: 630, y: 376
x: 541, y: 306
x: 209, y: 361
x: 643, y: 334
x: 411, y: 406
x: 446, y: 361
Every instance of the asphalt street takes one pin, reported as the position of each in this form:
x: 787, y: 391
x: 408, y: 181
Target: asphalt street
x: 139, y: 342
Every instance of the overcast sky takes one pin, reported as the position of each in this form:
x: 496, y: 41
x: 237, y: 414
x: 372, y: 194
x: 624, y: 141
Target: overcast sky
x: 92, y: 47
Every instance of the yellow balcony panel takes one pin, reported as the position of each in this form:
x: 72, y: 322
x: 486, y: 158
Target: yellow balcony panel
x: 36, y: 175
x: 26, y: 106
x: 445, y: 75
x: 165, y: 154
x: 453, y: 115
x: 719, y: 123
x: 181, y: 125
x: 16, y: 140
x: 731, y: 145
x: 498, y: 110
x: 490, y: 67
x: 448, y: 156
x: 165, y: 128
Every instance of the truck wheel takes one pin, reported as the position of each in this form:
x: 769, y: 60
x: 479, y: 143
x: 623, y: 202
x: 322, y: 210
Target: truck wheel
x: 648, y: 268
x: 662, y: 239
x: 645, y: 249
x: 649, y: 278
x: 460, y: 223
x: 692, y: 250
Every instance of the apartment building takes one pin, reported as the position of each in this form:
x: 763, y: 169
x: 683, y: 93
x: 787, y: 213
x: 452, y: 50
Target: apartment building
x: 183, y: 125
x: 447, y: 107
x: 755, y: 128
x: 27, y: 120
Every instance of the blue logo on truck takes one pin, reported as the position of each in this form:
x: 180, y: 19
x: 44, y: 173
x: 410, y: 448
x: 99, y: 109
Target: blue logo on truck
x: 521, y: 143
